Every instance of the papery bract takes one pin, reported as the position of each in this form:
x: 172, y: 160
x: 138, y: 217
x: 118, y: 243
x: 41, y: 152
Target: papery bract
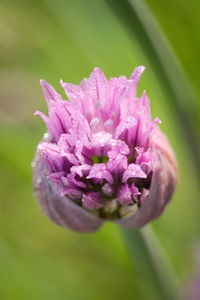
x: 103, y: 157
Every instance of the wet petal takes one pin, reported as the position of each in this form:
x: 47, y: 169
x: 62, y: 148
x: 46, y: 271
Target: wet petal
x: 51, y: 155
x: 49, y: 92
x: 99, y: 172
x: 135, y: 76
x: 81, y: 170
x: 133, y: 171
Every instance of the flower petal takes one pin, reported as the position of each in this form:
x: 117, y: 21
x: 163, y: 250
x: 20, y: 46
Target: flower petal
x: 133, y: 171
x: 60, y: 209
x: 92, y: 200
x: 99, y: 172
x: 135, y: 76
x: 49, y: 92
x: 125, y: 195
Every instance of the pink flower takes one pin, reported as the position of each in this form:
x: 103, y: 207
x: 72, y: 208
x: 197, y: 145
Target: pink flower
x: 103, y: 157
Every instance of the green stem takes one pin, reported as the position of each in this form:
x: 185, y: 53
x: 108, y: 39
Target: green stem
x: 155, y: 277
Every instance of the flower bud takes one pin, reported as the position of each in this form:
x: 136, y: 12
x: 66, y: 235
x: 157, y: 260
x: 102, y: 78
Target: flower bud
x: 102, y: 158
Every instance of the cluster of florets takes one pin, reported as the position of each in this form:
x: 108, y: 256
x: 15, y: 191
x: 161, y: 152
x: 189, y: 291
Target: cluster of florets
x: 99, y: 149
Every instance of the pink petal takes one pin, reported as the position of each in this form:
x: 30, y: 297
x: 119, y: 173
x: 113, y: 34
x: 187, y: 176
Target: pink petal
x: 73, y: 91
x: 125, y: 195
x: 133, y: 171
x: 49, y: 92
x: 135, y: 76
x: 81, y: 170
x: 92, y: 200
x: 99, y: 171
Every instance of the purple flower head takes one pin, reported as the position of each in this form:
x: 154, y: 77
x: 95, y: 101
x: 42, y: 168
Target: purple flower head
x: 103, y: 158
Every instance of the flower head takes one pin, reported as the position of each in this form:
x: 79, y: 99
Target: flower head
x: 103, y: 158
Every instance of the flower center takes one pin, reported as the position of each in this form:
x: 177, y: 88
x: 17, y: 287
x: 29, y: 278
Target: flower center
x: 99, y: 159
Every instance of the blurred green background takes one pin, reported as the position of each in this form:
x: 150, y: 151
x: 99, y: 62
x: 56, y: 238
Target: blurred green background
x: 65, y: 39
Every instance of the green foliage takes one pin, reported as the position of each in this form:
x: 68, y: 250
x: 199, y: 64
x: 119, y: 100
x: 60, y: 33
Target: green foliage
x: 66, y: 39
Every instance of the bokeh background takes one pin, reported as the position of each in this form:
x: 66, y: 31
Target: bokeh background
x: 66, y: 39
